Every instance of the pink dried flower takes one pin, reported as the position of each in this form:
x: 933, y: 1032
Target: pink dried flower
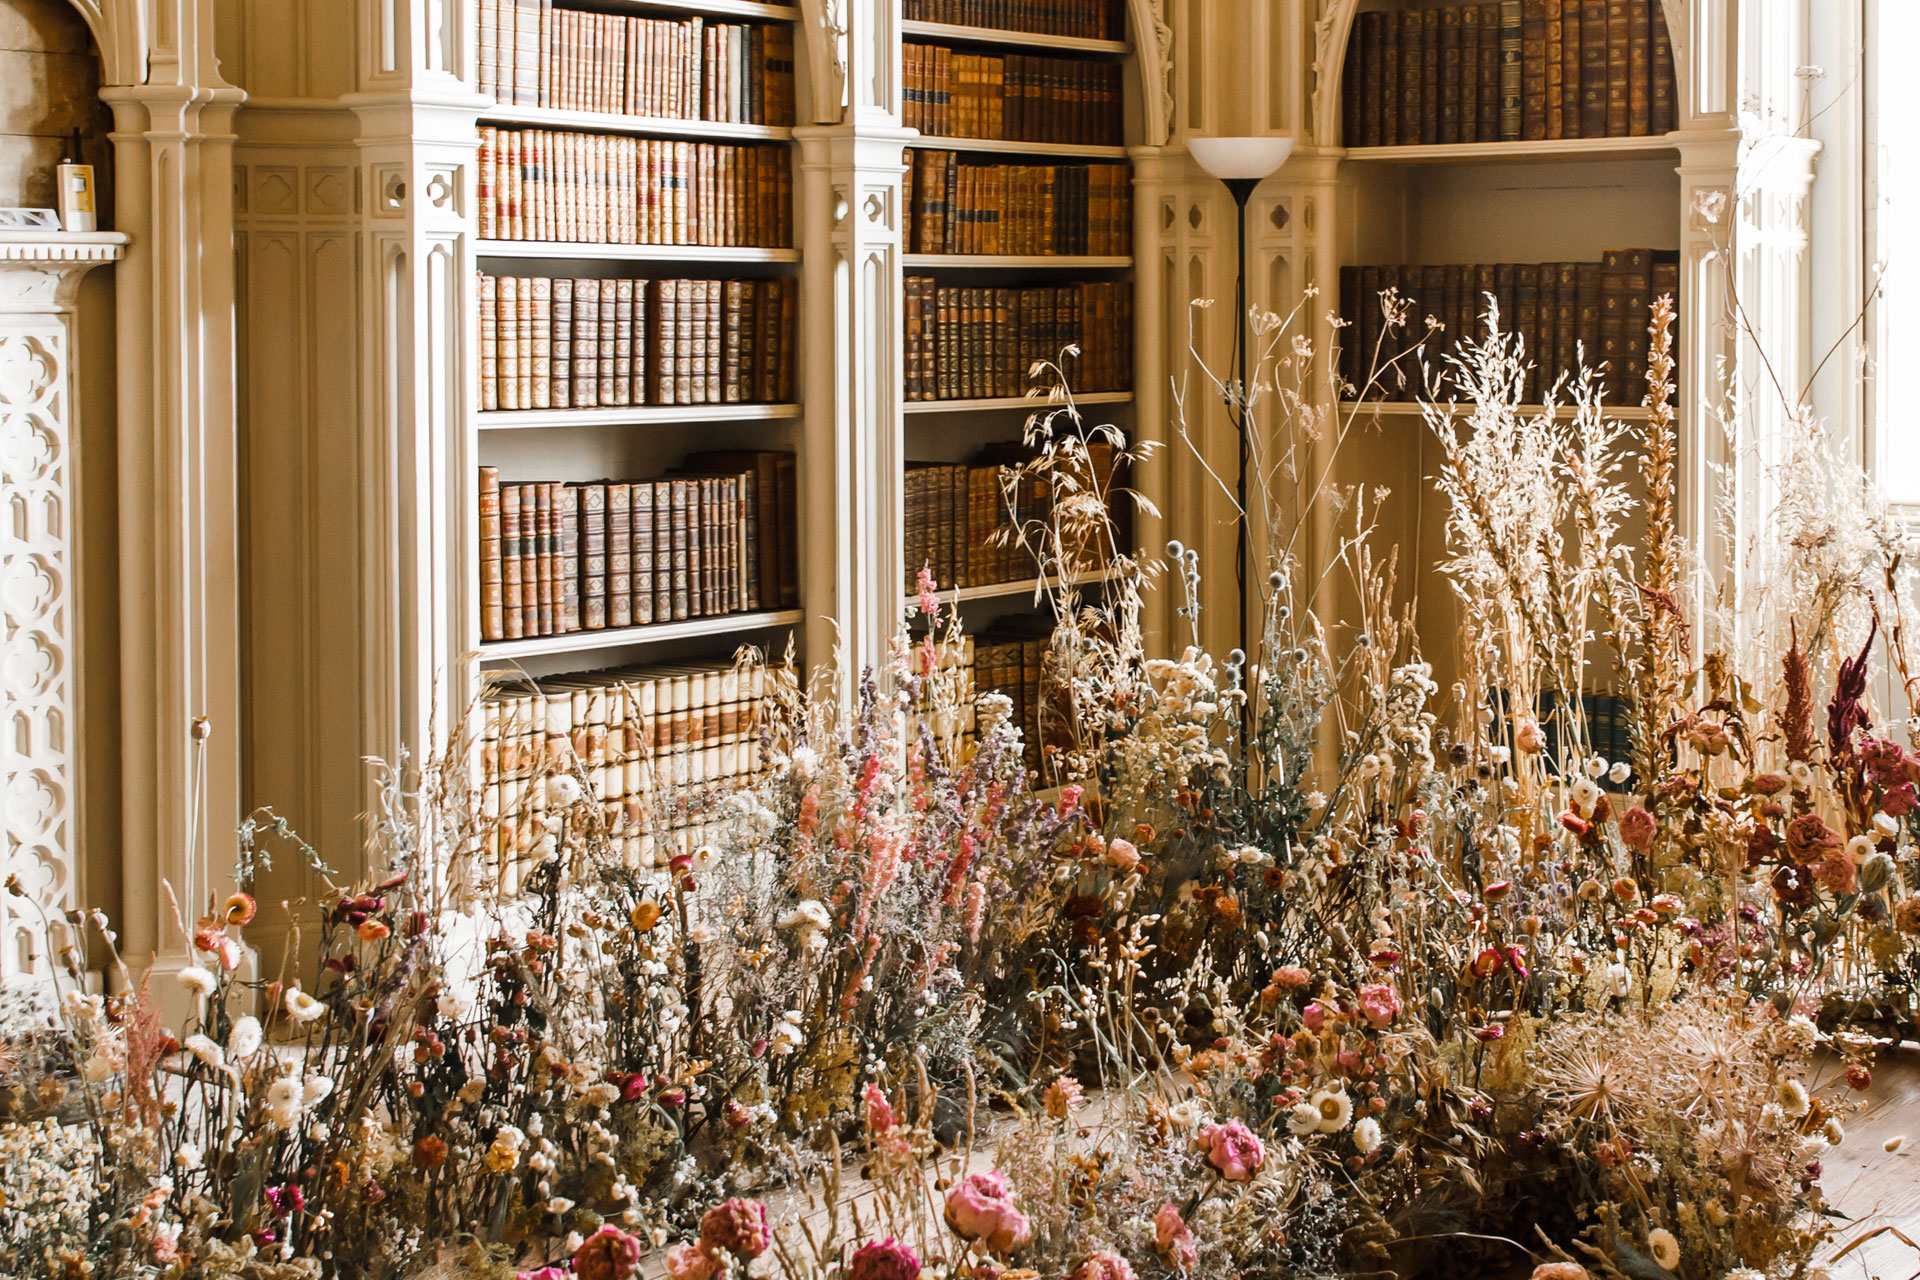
x: 1173, y: 1239
x: 884, y: 1260
x: 1290, y: 977
x: 1103, y: 1264
x: 1314, y: 1016
x: 981, y: 1209
x: 607, y: 1254
x: 737, y: 1226
x: 1560, y: 1271
x: 1637, y: 828
x: 1233, y: 1150
x: 1123, y: 855
x: 879, y: 1110
x: 690, y: 1262
x: 1379, y: 1005
x: 1062, y: 1098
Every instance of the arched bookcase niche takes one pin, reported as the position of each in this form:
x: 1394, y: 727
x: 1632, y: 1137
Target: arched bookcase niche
x: 1335, y: 28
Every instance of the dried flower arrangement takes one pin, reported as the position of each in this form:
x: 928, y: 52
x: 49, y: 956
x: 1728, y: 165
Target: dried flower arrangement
x: 1302, y: 967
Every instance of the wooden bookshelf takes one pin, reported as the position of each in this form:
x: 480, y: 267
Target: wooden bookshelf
x: 691, y: 254
x: 1053, y: 150
x: 1548, y: 151
x: 950, y: 33
x: 650, y: 126
x: 1005, y: 590
x: 1016, y: 262
x: 641, y: 442
x: 1003, y: 404
x: 590, y: 642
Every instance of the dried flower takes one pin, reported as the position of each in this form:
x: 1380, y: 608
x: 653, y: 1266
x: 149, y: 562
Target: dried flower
x: 1664, y: 1248
x: 884, y: 1260
x: 981, y: 1208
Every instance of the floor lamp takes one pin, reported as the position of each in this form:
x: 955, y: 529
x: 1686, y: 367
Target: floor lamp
x: 1240, y: 163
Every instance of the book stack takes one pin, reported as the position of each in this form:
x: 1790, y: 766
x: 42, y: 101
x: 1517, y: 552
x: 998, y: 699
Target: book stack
x: 658, y: 748
x: 558, y: 343
x: 1027, y: 209
x: 970, y: 343
x: 534, y: 55
x: 1083, y: 19
x: 589, y: 188
x: 945, y: 701
x: 1566, y: 313
x: 961, y: 520
x: 715, y: 538
x: 1509, y: 71
x: 1014, y: 98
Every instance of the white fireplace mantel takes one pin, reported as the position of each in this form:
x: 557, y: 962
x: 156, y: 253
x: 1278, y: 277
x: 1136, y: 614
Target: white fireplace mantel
x: 40, y: 274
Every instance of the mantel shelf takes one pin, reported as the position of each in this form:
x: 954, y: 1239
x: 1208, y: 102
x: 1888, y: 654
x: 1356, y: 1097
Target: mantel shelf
x: 1015, y: 39
x: 1018, y: 262
x: 632, y: 637
x: 608, y: 122
x: 1031, y: 404
x: 1548, y: 151
x: 1044, y: 150
x: 574, y: 251
x: 36, y: 245
x: 644, y: 415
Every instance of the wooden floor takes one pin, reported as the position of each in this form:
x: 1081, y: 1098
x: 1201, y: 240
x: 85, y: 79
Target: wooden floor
x: 1877, y: 1189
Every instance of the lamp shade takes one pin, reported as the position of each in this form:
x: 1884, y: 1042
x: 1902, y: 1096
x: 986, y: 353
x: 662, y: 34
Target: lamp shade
x: 1229, y: 158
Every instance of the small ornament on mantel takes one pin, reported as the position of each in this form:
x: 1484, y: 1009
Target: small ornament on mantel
x: 75, y: 182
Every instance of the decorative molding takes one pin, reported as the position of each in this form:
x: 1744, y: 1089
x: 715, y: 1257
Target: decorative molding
x: 39, y: 591
x: 1153, y: 49
x: 824, y: 26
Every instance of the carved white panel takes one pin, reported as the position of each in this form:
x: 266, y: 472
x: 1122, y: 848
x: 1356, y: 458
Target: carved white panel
x: 37, y: 632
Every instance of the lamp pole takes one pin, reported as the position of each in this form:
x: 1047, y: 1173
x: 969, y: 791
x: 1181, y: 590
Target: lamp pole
x: 1241, y: 164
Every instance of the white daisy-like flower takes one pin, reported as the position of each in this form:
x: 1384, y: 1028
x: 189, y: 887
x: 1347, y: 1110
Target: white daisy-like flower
x: 243, y: 1041
x: 1834, y: 1132
x: 1793, y: 1099
x: 1335, y: 1108
x: 807, y: 915
x: 283, y: 1102
x: 197, y: 980
x: 187, y: 1156
x: 1620, y: 772
x: 301, y: 1007
x: 1302, y: 1119
x: 1801, y: 773
x: 1886, y: 824
x: 564, y: 790
x: 1366, y: 1136
x: 1596, y: 767
x: 452, y: 1005
x: 205, y: 1050
x: 1664, y: 1248
x: 315, y: 1090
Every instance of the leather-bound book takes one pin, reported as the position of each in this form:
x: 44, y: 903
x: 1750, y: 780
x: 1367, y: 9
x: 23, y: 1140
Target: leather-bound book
x: 1662, y: 102
x: 1533, y: 69
x: 1389, y: 79
x: 1639, y: 68
x: 1593, y: 68
x: 1619, y: 59
x: 1429, y: 76
x: 1412, y: 68
x: 1488, y: 115
x: 1512, y: 27
x: 1449, y: 89
x: 1613, y: 322
x: 1556, y: 68
x: 492, y: 612
x: 1469, y: 40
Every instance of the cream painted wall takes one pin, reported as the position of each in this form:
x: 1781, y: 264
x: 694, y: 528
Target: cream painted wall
x: 49, y: 86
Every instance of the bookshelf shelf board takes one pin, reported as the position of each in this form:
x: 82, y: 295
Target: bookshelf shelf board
x: 1017, y: 39
x: 1001, y: 590
x: 606, y: 122
x: 633, y: 416
x: 1018, y: 262
x: 1551, y: 151
x: 569, y: 250
x: 719, y: 8
x: 627, y: 637
x: 1409, y: 409
x: 1055, y: 150
x: 1031, y: 404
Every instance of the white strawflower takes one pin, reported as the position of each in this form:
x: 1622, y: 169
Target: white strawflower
x: 1619, y: 980
x: 1585, y: 794
x: 1596, y: 767
x: 1302, y: 1119
x: 1801, y: 774
x: 1834, y: 1132
x: 244, y: 1040
x: 197, y: 980
x: 1366, y: 1136
x: 451, y: 1004
x: 1620, y: 772
x: 564, y: 790
x: 283, y: 1102
x: 315, y: 1090
x: 187, y: 1156
x: 301, y: 1007
x: 1793, y: 1098
x: 1664, y: 1248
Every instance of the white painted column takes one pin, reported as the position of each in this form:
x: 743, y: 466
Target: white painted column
x: 40, y: 591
